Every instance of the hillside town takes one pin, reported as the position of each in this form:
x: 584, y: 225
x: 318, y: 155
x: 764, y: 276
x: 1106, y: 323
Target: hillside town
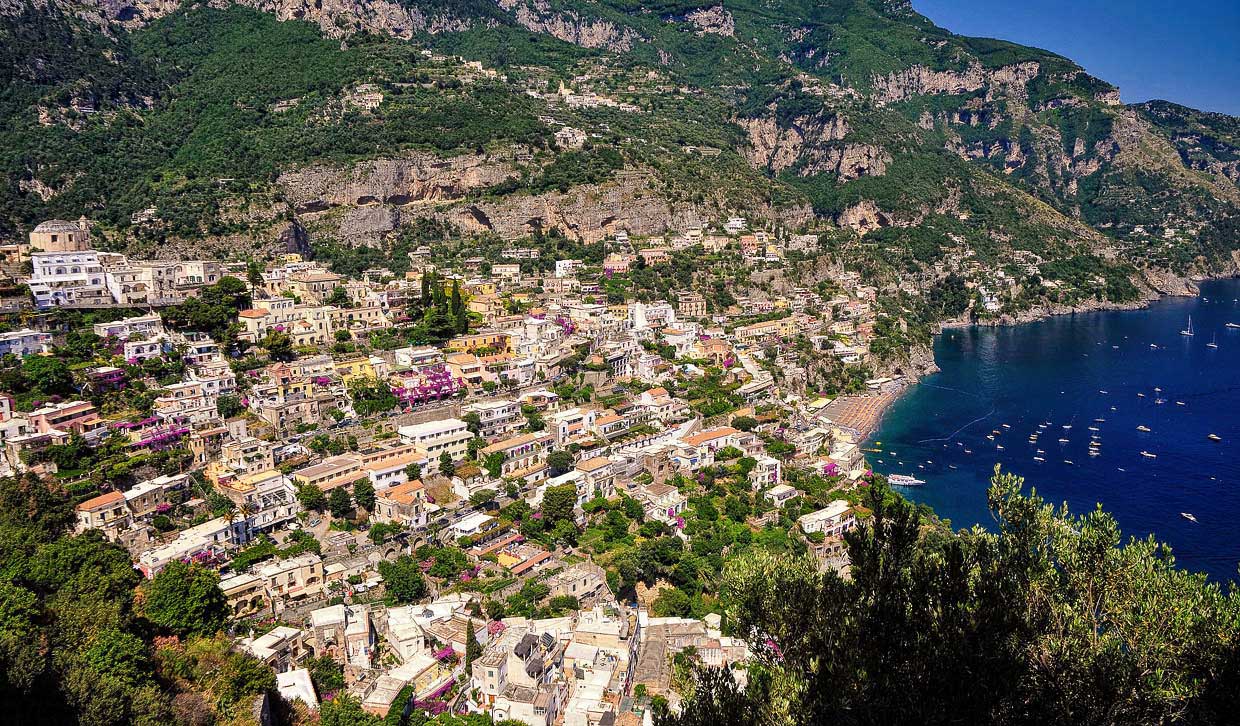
x: 478, y: 487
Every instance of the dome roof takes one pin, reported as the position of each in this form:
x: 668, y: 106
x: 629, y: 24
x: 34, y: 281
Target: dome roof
x: 57, y: 225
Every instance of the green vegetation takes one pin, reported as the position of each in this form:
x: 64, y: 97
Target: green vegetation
x: 1054, y: 617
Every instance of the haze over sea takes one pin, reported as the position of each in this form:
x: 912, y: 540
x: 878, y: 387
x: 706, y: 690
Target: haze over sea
x: 1072, y: 370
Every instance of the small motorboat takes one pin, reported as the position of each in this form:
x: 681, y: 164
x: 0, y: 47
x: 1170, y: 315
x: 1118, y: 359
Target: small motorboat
x: 1214, y: 437
x: 1038, y: 458
x: 1189, y: 517
x: 1143, y: 429
x: 1148, y: 455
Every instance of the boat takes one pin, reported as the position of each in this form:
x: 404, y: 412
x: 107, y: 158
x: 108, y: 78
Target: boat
x: 1188, y: 332
x: 1140, y: 395
x: 1157, y: 389
x: 1094, y: 428
x: 1159, y: 401
x: 1179, y: 403
x: 1148, y: 455
x: 999, y: 447
x: 1068, y: 462
x: 951, y: 466
x: 1189, y: 517
x: 1094, y: 452
x: 1154, y: 346
x: 903, y: 480
x: 990, y: 437
x: 1214, y: 437
x: 1100, y: 420
x: 1143, y: 429
x: 1102, y: 392
x: 1233, y: 326
x: 968, y: 451
x: 1038, y: 458
x: 1006, y: 426
x: 1067, y: 426
x: 1063, y: 441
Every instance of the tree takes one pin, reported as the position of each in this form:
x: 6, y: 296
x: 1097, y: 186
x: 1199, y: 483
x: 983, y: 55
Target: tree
x: 558, y: 503
x: 446, y: 467
x: 473, y: 648
x: 413, y: 472
x: 311, y: 497
x: 1054, y: 616
x: 254, y: 273
x: 279, y: 346
x: 494, y: 463
x: 346, y: 710
x: 339, y: 503
x: 326, y: 674
x: 559, y: 462
x: 229, y: 405
x: 364, y: 494
x: 48, y: 375
x: 339, y: 297
x: 672, y: 603
x: 481, y: 497
x: 185, y: 599
x: 744, y: 423
x: 403, y: 580
x: 459, y: 314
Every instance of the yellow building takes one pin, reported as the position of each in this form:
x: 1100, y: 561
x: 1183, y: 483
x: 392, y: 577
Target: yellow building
x: 498, y: 342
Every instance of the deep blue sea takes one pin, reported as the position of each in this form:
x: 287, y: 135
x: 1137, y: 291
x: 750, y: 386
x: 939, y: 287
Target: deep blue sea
x: 1088, y: 370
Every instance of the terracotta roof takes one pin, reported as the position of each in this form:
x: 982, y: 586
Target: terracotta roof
x: 102, y: 500
x: 594, y: 464
x: 252, y: 313
x: 406, y: 493
x: 707, y: 436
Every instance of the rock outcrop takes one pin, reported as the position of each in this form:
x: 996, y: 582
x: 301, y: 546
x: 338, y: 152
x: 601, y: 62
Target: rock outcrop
x: 778, y: 147
x: 569, y: 26
x: 921, y: 81
x: 714, y: 20
x: 414, y: 177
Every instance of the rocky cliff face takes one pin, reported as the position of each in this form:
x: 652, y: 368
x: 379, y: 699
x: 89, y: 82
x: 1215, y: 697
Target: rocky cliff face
x: 714, y: 20
x: 341, y: 18
x: 809, y: 145
x: 922, y: 81
x: 590, y: 213
x: 396, y: 182
x: 570, y: 26
x: 363, y: 205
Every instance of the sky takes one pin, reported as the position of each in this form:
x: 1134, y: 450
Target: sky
x: 1186, y: 51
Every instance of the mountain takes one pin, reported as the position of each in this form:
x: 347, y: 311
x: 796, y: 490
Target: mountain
x: 228, y: 128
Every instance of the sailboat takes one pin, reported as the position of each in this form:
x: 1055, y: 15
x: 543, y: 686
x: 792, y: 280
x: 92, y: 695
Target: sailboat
x: 1213, y: 343
x: 1233, y: 325
x: 1189, y: 330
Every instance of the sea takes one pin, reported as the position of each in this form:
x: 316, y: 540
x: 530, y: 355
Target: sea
x: 1077, y: 379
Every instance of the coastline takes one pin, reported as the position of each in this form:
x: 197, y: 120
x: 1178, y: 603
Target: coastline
x: 921, y: 359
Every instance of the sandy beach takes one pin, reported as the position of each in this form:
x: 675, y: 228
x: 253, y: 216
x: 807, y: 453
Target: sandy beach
x: 862, y: 412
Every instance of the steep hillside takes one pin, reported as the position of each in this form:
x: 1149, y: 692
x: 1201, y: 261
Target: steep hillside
x: 262, y: 123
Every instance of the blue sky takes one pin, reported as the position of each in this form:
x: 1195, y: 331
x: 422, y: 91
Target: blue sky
x: 1186, y: 51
